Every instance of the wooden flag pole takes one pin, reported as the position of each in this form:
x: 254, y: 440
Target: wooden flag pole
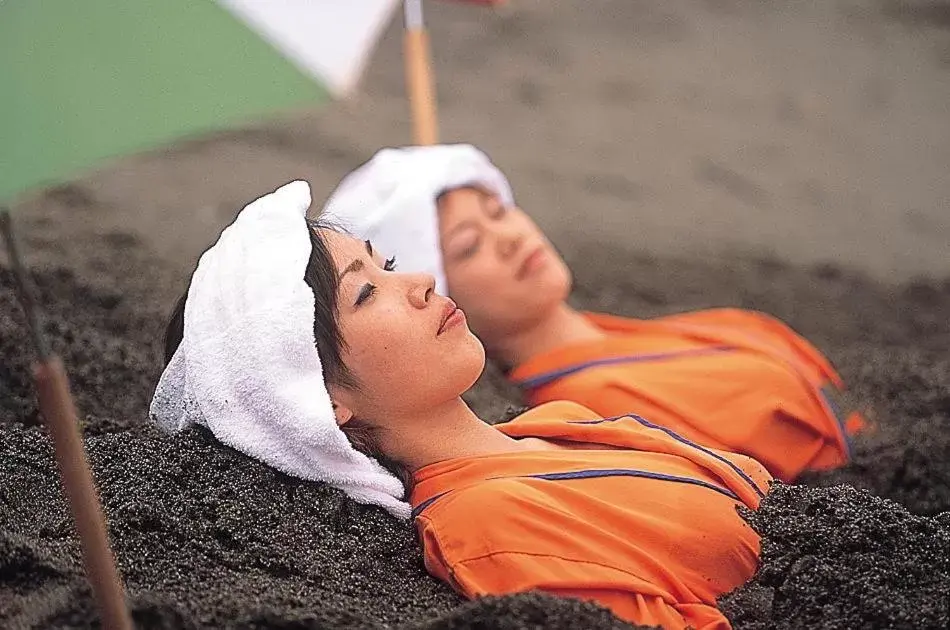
x: 419, y: 80
x: 59, y: 410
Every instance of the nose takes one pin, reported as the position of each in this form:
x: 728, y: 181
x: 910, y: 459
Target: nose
x: 508, y: 238
x: 421, y: 288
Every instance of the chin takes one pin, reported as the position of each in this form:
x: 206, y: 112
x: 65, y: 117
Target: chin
x: 469, y: 362
x: 555, y: 286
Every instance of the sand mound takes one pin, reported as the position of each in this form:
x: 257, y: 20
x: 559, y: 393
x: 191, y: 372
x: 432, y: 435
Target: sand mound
x: 206, y: 537
x: 108, y: 348
x: 842, y: 558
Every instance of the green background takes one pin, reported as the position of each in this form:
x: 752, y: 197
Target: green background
x: 86, y: 80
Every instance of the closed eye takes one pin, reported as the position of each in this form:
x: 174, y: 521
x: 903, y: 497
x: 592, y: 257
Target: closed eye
x: 365, y: 293
x: 368, y: 290
x: 468, y: 250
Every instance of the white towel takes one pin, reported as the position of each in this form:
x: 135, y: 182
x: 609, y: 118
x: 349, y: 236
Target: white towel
x: 247, y: 367
x: 391, y: 200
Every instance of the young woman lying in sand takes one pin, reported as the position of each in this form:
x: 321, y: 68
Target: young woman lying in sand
x: 302, y: 347
x: 727, y: 378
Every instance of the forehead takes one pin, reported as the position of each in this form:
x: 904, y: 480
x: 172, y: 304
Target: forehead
x: 343, y: 247
x: 462, y: 203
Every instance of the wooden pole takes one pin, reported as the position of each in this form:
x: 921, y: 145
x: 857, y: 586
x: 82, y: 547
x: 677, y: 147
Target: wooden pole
x: 419, y: 78
x: 56, y: 404
x: 59, y: 411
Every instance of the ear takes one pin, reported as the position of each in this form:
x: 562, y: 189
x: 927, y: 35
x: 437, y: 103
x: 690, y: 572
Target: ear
x: 343, y: 414
x: 341, y: 405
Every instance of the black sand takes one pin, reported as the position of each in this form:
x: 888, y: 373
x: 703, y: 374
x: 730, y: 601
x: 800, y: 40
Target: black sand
x: 206, y: 537
x: 815, y: 130
x: 843, y: 558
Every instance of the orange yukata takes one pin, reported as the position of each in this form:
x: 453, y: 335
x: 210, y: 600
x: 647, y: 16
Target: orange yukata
x: 735, y: 380
x: 629, y: 515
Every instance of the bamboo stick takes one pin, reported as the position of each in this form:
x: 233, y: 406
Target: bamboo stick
x: 59, y: 412
x: 419, y: 78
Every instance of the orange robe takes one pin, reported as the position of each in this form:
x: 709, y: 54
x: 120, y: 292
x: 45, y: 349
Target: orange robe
x: 735, y: 380
x: 647, y: 526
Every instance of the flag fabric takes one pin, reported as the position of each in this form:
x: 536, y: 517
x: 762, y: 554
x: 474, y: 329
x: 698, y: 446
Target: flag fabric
x: 85, y: 81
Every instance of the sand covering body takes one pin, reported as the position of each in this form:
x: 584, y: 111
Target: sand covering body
x: 646, y: 526
x: 193, y: 524
x: 735, y: 380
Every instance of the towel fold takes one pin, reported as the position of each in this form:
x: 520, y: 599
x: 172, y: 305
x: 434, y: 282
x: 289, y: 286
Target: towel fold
x: 392, y: 200
x: 247, y: 367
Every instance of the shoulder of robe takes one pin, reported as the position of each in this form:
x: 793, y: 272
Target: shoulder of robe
x: 555, y: 411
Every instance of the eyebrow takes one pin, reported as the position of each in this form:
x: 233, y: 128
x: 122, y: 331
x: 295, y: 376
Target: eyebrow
x: 357, y: 264
x: 489, y: 201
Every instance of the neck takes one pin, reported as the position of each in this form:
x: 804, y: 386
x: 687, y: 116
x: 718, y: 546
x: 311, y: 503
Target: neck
x: 448, y: 431
x: 562, y: 327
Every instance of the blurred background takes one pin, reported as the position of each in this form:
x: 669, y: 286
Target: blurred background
x: 807, y: 131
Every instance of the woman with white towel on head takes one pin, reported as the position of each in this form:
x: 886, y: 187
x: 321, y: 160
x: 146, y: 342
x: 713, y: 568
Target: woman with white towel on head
x: 730, y: 379
x: 303, y: 347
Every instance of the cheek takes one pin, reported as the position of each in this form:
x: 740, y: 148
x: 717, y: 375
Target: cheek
x: 375, y: 349
x: 468, y: 278
x: 405, y: 366
x: 527, y: 227
x: 480, y: 291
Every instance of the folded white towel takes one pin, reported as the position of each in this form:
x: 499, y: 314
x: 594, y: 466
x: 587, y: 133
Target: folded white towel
x: 247, y: 367
x: 391, y: 200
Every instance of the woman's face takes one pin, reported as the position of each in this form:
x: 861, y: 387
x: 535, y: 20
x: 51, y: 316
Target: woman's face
x: 408, y: 348
x: 499, y: 267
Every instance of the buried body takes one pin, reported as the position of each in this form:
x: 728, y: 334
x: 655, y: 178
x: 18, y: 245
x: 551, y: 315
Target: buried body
x: 208, y: 537
x: 563, y: 486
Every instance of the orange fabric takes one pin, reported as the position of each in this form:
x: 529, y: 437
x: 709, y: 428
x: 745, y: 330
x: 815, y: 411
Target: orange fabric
x: 647, y: 527
x: 731, y: 379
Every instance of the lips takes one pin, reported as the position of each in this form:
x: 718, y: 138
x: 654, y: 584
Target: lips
x: 448, y: 311
x: 529, y: 262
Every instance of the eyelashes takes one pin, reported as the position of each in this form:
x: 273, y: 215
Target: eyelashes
x: 367, y: 291
x: 469, y: 251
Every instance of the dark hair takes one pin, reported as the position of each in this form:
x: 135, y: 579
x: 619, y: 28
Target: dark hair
x: 321, y: 276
